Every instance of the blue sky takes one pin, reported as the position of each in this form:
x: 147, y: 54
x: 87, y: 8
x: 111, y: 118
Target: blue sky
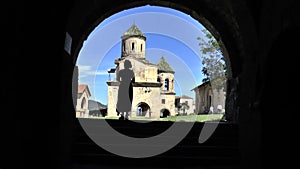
x: 170, y: 33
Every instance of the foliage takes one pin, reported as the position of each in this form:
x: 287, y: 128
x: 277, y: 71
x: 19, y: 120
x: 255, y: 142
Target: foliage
x: 184, y: 106
x: 214, y: 68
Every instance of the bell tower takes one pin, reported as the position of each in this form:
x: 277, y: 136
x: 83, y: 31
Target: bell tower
x: 133, y: 43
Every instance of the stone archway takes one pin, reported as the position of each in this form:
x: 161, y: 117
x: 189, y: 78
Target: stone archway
x: 164, y: 113
x: 226, y: 22
x: 143, y: 109
x: 230, y: 23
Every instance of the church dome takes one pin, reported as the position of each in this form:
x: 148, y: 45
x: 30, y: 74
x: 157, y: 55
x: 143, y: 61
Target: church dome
x: 133, y: 31
x: 163, y: 66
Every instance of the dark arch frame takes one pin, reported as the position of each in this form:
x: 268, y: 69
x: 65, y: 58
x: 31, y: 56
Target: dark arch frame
x: 226, y: 23
x: 231, y: 23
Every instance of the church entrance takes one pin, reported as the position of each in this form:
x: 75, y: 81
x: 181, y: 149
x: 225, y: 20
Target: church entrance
x: 143, y: 109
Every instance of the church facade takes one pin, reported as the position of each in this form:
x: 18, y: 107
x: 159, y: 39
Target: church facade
x: 209, y: 99
x: 153, y: 93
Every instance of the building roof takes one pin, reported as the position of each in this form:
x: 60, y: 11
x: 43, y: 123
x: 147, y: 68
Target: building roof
x: 133, y: 31
x: 185, y: 97
x: 163, y: 66
x: 202, y: 85
x: 82, y: 88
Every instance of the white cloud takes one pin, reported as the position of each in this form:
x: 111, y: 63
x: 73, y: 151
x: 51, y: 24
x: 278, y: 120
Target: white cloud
x: 101, y: 72
x: 82, y: 68
x: 85, y: 71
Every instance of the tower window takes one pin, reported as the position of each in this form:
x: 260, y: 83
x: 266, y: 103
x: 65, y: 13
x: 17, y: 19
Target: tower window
x: 167, y: 84
x: 141, y: 47
x: 158, y: 79
x: 132, y: 46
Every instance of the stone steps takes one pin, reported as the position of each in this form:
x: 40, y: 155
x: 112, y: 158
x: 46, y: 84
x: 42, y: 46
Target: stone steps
x: 221, y: 149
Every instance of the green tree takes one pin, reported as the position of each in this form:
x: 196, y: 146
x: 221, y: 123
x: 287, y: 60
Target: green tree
x: 184, y: 106
x: 213, y: 62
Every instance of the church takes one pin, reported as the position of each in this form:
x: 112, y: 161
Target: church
x: 152, y: 85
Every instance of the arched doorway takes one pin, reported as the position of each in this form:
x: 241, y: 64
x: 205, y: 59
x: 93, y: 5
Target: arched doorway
x: 164, y: 113
x: 143, y: 109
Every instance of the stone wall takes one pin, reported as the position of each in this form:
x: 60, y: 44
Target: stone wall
x: 81, y: 111
x: 170, y: 77
x: 202, y: 98
x: 139, y: 47
x: 112, y: 98
x: 141, y: 95
x: 169, y: 103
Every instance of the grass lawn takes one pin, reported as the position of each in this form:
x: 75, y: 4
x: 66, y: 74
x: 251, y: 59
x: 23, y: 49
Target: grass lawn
x: 188, y: 118
x: 193, y: 118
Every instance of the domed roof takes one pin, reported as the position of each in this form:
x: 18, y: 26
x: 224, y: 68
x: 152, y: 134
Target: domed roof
x: 133, y: 31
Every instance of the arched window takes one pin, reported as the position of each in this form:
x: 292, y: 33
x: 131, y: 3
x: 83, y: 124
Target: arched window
x: 141, y: 47
x: 167, y: 84
x: 132, y: 46
x: 83, y: 103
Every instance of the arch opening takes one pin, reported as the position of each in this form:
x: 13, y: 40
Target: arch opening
x: 214, y: 32
x: 143, y: 109
x: 164, y: 113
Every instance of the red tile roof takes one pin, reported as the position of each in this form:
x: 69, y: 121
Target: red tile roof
x: 82, y: 87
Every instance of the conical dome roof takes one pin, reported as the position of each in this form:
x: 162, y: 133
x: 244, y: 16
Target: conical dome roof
x: 163, y: 66
x: 133, y: 31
